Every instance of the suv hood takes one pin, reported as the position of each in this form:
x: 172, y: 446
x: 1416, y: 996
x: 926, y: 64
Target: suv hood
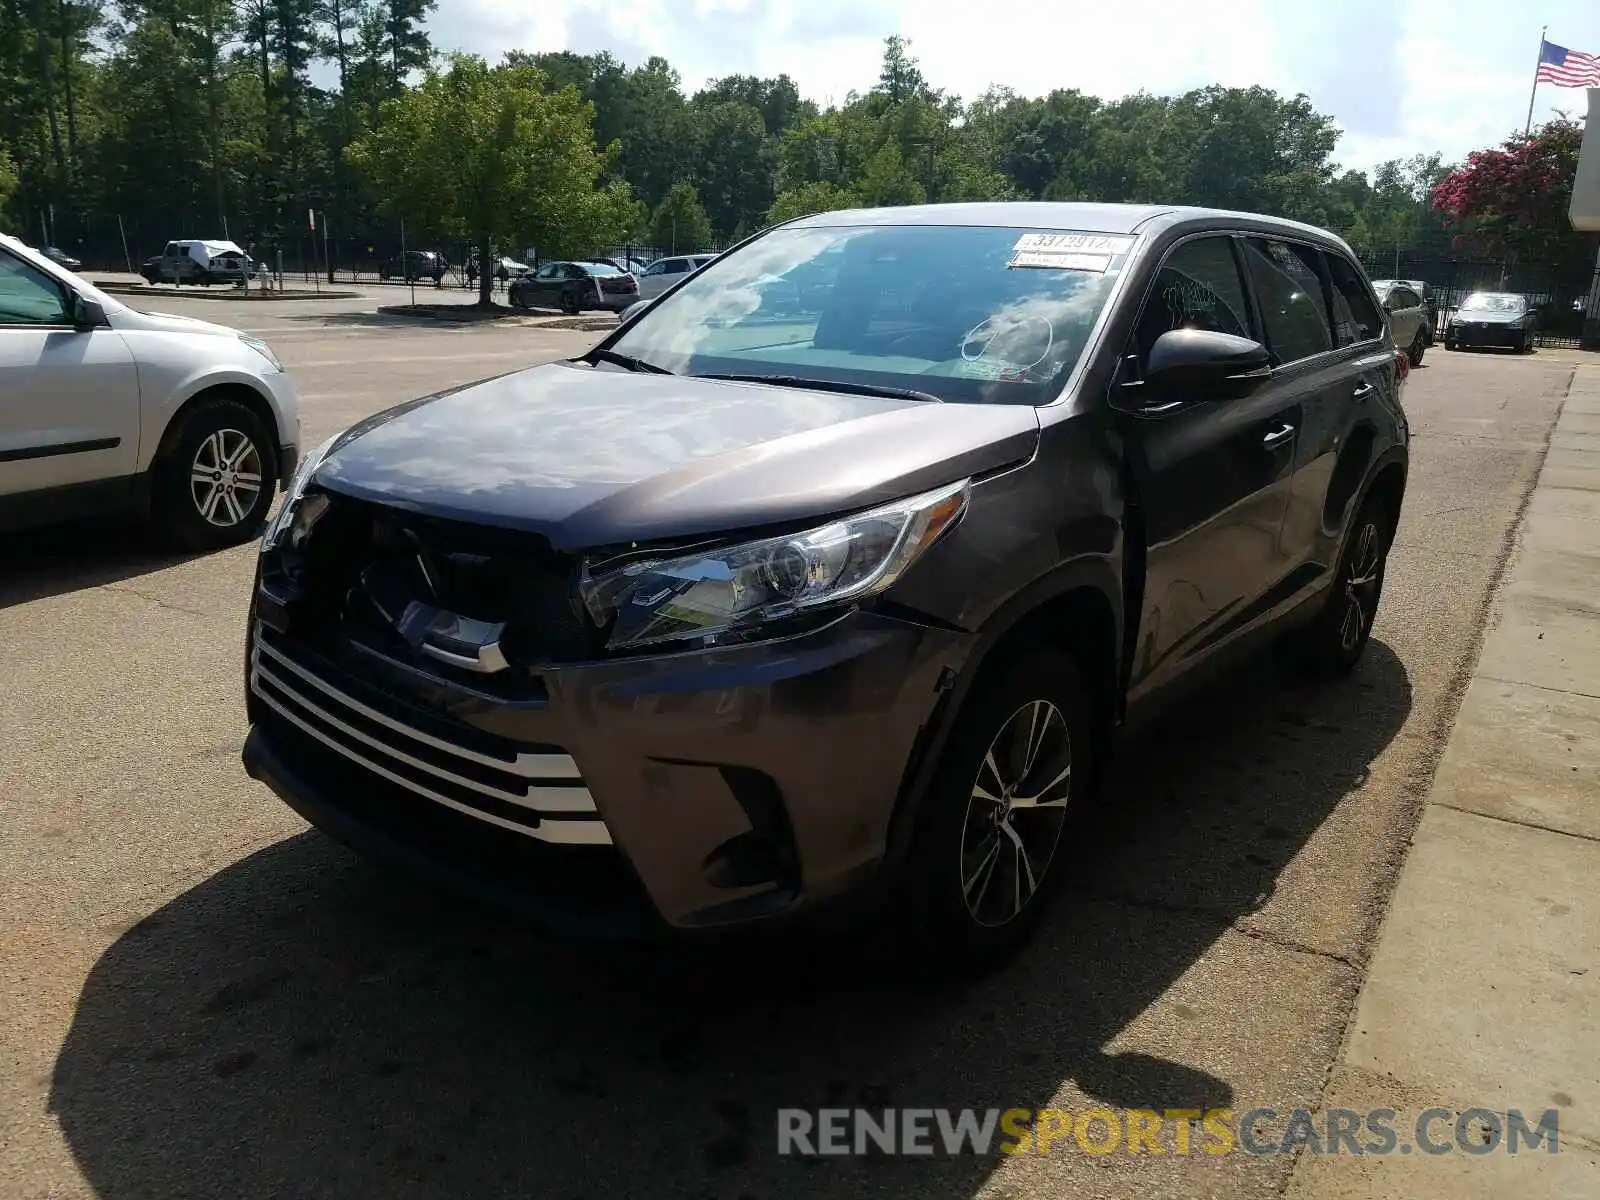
x: 590, y: 456
x: 1487, y: 316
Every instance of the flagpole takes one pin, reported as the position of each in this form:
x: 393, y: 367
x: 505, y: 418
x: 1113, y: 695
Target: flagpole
x: 1528, y: 125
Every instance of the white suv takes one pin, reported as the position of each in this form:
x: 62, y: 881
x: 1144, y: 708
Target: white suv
x: 107, y: 410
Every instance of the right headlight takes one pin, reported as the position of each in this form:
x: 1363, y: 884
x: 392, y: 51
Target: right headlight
x: 703, y: 596
x: 293, y: 494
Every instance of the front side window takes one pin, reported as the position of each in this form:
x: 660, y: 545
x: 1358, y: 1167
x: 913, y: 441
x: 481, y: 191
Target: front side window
x: 676, y: 266
x: 28, y: 296
x: 656, y: 268
x: 548, y: 272
x: 1355, y: 317
x: 1288, y: 286
x: 971, y: 314
x: 1197, y: 287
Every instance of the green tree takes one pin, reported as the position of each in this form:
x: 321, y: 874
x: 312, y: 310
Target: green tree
x: 680, y: 222
x: 8, y: 179
x: 488, y: 153
x: 817, y: 196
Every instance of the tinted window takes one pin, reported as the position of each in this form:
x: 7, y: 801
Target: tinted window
x: 549, y: 271
x: 29, y: 296
x: 973, y: 314
x: 1355, y: 317
x: 655, y: 268
x: 1197, y: 287
x: 1405, y: 298
x: 1289, y: 289
x: 574, y: 271
x: 676, y: 266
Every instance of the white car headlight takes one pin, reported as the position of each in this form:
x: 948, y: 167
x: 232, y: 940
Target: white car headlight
x: 293, y: 494
x: 262, y: 349
x: 704, y: 595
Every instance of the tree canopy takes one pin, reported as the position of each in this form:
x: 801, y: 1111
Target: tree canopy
x: 1514, y: 197
x: 233, y: 117
x: 487, y: 153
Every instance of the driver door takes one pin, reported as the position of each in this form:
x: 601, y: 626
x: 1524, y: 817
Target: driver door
x: 1213, y: 476
x: 69, y: 398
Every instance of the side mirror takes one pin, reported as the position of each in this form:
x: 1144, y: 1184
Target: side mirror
x: 87, y: 314
x: 1204, y: 364
x: 632, y: 311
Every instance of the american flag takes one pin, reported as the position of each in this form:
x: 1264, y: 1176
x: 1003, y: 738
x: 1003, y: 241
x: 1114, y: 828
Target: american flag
x: 1567, y: 68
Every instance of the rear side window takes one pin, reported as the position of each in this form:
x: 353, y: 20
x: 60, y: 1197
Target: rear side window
x: 1355, y: 319
x: 676, y: 266
x: 1197, y: 287
x: 1288, y: 286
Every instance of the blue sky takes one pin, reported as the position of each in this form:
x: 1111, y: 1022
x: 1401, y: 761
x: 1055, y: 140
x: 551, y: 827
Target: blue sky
x: 1400, y: 76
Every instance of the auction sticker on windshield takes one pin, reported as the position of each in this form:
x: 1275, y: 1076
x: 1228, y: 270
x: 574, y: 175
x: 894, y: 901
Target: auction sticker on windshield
x: 1068, y: 251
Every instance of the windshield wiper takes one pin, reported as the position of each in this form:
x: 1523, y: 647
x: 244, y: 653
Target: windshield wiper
x: 831, y: 385
x: 623, y: 360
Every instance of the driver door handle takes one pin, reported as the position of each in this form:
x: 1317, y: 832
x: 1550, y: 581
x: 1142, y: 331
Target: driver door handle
x: 1363, y: 390
x: 1278, y: 437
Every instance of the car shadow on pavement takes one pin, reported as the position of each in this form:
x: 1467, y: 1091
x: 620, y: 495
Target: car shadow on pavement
x: 49, y: 562
x: 301, y: 1024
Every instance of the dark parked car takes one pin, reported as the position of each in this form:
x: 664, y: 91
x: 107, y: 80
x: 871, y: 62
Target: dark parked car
x: 742, y: 614
x: 62, y: 259
x: 1500, y: 319
x: 413, y: 266
x: 575, y: 286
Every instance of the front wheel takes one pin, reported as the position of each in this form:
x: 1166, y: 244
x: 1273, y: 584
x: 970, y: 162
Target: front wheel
x: 216, y: 482
x: 1012, y: 780
x: 1418, y: 345
x: 1332, y: 645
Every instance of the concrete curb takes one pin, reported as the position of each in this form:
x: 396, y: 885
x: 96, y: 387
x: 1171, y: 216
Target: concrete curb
x: 466, y: 314
x: 1485, y: 981
x: 221, y: 292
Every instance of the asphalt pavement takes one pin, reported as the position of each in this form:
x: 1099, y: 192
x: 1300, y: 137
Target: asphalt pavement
x: 205, y: 998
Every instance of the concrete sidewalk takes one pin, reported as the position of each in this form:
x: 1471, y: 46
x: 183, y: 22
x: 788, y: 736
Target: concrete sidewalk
x: 1484, y: 988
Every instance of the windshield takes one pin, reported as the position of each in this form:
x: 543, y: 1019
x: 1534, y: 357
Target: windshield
x: 967, y: 313
x: 1494, y: 302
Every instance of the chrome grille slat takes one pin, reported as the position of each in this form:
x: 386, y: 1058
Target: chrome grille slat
x: 558, y: 813
x: 539, y: 799
x: 530, y: 766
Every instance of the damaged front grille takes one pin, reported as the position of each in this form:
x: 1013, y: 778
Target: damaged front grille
x: 452, y: 598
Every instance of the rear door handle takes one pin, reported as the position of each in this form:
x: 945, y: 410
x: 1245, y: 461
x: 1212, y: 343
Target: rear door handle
x: 1363, y: 390
x: 1278, y: 437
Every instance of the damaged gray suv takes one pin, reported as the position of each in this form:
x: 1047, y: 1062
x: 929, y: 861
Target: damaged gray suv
x: 782, y: 597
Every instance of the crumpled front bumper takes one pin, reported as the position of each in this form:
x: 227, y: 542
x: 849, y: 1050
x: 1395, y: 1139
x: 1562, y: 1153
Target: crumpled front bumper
x: 734, y: 785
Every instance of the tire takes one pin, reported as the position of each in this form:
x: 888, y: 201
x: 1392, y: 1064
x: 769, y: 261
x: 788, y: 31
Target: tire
x: 569, y: 304
x: 198, y: 515
x: 957, y: 897
x: 1332, y: 645
x: 1419, y: 346
x: 1449, y: 345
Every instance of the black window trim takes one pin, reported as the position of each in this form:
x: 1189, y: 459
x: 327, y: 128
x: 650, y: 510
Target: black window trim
x: 1327, y: 300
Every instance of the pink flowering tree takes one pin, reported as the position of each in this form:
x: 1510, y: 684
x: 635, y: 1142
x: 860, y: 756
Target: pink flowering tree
x: 1513, y: 199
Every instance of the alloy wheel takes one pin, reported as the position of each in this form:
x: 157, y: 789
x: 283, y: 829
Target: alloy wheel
x: 1015, y: 813
x: 225, y: 477
x: 1361, y: 587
